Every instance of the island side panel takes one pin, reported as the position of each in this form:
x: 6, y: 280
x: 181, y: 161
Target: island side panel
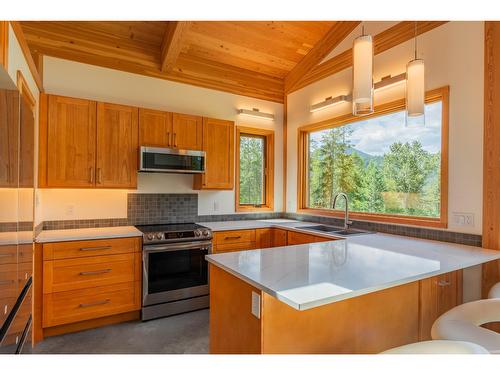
x: 366, y: 324
x: 233, y: 327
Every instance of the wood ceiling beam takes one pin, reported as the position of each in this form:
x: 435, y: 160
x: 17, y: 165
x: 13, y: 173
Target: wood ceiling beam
x: 172, y: 43
x: 383, y: 41
x: 27, y: 54
x: 339, y: 31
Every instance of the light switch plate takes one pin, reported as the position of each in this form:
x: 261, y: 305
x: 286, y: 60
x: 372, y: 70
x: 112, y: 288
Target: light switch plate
x: 256, y: 305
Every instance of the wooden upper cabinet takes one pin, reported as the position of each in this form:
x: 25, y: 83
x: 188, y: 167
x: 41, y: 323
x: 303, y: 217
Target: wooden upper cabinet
x: 218, y: 143
x: 155, y: 128
x: 117, y: 146
x: 9, y: 135
x: 187, y: 132
x: 71, y: 142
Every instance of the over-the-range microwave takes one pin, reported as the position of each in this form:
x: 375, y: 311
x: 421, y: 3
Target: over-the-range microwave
x: 169, y: 160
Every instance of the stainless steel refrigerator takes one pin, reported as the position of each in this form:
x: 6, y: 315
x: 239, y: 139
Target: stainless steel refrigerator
x: 16, y: 217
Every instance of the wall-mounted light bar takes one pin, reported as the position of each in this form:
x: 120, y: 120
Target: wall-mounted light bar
x: 255, y: 112
x: 384, y: 83
x: 329, y: 102
x: 390, y: 81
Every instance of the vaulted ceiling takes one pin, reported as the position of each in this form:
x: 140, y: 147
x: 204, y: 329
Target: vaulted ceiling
x: 261, y: 59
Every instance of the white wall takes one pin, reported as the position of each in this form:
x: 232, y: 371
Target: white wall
x: 453, y: 56
x: 69, y: 78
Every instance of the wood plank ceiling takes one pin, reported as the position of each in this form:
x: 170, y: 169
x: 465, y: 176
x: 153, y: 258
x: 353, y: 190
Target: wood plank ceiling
x: 248, y: 58
x: 261, y: 59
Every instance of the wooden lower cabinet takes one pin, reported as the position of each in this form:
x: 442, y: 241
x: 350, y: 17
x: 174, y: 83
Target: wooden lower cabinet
x: 297, y: 238
x: 438, y: 295
x: 369, y: 323
x: 84, y: 281
x: 261, y: 238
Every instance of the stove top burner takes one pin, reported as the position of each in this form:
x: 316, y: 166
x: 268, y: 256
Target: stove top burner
x: 164, y: 233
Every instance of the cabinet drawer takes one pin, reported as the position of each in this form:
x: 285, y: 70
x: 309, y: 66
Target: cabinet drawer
x: 234, y: 236
x: 26, y: 253
x: 297, y: 238
x: 74, y: 306
x: 78, y: 273
x: 225, y: 248
x: 90, y: 248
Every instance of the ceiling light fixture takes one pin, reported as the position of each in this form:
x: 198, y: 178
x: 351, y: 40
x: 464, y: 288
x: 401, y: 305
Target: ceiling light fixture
x: 255, y: 112
x: 330, y: 102
x: 362, y: 75
x: 415, y: 84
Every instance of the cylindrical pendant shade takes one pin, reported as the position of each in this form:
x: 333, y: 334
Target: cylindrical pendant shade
x: 415, y: 88
x: 362, y: 76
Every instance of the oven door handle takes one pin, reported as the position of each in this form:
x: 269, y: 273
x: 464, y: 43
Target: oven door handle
x: 178, y: 246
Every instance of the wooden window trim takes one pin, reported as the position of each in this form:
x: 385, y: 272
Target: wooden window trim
x: 24, y: 91
x: 269, y: 167
x: 440, y: 94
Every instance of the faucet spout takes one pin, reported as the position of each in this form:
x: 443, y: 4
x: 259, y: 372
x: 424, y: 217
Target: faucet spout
x: 346, y: 209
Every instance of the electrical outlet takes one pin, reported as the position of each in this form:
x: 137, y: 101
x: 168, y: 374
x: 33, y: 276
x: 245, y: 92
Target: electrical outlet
x: 463, y: 219
x: 216, y: 206
x: 70, y: 210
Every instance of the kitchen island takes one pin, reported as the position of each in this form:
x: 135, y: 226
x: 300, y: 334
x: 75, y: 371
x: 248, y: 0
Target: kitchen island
x: 364, y: 294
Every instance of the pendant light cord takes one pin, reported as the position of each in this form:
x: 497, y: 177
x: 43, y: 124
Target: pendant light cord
x: 415, y: 40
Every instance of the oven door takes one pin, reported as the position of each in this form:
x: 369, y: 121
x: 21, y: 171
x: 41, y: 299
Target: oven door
x: 155, y: 159
x: 174, y: 272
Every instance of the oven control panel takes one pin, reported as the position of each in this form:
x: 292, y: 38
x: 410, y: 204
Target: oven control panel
x: 178, y: 236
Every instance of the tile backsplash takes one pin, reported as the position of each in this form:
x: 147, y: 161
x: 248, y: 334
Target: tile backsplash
x: 162, y: 208
x: 183, y: 208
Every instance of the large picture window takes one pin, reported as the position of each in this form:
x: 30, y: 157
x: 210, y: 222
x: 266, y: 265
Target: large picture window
x: 390, y: 171
x: 254, y: 169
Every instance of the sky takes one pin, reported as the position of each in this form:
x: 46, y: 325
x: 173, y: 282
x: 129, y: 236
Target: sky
x: 374, y: 136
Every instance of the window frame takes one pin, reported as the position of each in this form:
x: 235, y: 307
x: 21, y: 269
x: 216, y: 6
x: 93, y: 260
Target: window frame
x: 268, y: 135
x: 439, y: 94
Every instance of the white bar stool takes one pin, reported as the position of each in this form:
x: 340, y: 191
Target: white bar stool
x: 495, y: 291
x: 462, y: 323
x: 439, y: 347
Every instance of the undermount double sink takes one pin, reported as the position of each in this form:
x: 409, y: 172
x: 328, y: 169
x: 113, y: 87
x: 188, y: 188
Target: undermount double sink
x: 335, y: 230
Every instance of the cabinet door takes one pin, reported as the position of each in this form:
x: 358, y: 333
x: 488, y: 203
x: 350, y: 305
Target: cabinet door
x: 71, y: 143
x: 218, y: 143
x: 117, y: 146
x: 279, y: 237
x: 187, y: 132
x: 264, y: 237
x: 438, y: 295
x: 155, y: 128
x: 296, y: 238
x: 9, y: 133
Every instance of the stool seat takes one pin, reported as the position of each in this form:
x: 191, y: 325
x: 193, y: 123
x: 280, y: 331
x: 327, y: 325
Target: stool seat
x: 495, y: 291
x: 439, y: 347
x: 462, y: 323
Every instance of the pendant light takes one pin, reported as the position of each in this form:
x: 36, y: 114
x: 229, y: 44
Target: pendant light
x: 415, y: 85
x: 362, y: 75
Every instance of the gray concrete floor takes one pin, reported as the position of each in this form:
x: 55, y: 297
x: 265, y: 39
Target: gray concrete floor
x: 185, y: 333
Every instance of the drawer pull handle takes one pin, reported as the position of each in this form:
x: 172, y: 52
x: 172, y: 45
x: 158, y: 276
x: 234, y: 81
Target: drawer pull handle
x: 232, y: 237
x: 6, y: 282
x: 98, y: 272
x: 6, y: 255
x: 103, y: 302
x: 95, y: 248
x: 444, y: 283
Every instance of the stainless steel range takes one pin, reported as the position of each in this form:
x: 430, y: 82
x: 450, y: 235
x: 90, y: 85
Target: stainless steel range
x: 175, y: 272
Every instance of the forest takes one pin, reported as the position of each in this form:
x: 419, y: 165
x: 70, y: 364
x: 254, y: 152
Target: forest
x: 404, y: 181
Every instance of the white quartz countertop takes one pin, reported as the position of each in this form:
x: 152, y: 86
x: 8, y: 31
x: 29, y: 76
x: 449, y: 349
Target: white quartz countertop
x: 311, y: 275
x: 12, y: 238
x: 87, y: 234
